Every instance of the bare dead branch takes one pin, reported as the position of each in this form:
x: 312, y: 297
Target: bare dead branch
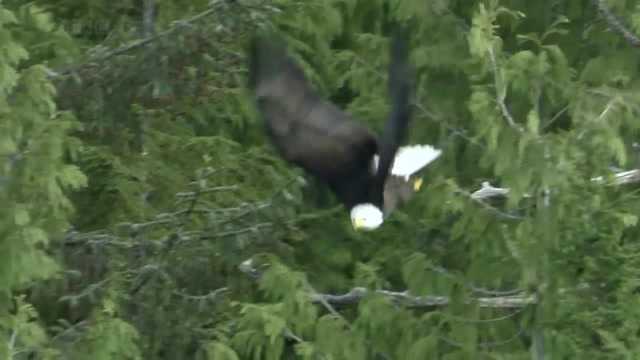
x: 615, y: 23
x: 499, y: 96
x: 355, y: 295
x: 403, y: 298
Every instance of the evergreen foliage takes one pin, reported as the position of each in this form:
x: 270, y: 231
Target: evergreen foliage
x: 145, y: 216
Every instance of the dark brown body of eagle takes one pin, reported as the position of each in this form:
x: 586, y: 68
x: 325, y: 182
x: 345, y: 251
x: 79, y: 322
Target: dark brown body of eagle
x: 322, y: 139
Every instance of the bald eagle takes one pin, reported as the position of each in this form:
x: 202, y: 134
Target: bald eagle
x: 370, y: 175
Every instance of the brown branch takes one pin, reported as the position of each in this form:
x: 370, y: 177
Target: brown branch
x: 615, y: 23
x: 356, y: 294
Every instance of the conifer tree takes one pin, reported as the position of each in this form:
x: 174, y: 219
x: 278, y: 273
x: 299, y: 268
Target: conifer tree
x: 193, y: 239
x: 34, y: 138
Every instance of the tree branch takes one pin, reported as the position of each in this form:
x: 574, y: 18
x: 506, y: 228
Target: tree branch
x: 179, y: 24
x: 403, y: 298
x: 210, y: 296
x: 619, y: 178
x: 355, y: 295
x: 615, y: 24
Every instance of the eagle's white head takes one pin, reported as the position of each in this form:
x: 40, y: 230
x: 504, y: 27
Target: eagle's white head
x: 366, y: 217
x: 408, y: 160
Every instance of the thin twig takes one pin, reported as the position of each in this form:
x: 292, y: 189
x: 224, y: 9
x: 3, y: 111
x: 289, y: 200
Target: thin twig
x: 12, y: 343
x: 212, y: 295
x: 500, y: 98
x: 555, y: 117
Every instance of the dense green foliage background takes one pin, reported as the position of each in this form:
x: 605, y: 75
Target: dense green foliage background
x: 136, y: 181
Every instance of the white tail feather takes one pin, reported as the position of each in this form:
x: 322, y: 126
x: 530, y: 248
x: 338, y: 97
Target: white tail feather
x: 410, y: 159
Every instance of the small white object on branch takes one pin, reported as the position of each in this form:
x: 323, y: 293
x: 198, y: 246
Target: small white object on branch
x: 620, y: 178
x: 487, y: 191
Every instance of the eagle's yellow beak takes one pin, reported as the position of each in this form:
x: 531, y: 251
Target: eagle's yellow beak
x: 358, y: 223
x: 417, y: 184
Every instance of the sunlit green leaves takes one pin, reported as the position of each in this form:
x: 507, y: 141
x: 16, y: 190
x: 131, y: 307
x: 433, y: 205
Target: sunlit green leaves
x: 334, y: 338
x: 264, y: 333
x: 110, y: 337
x: 217, y: 350
x: 24, y: 332
x: 33, y: 180
x: 481, y: 36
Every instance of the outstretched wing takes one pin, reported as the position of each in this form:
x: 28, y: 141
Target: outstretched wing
x: 402, y: 182
x: 398, y: 191
x: 400, y: 76
x: 307, y: 130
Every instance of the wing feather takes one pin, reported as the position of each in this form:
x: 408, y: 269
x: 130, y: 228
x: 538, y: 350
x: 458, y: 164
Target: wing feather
x: 308, y: 131
x: 396, y: 126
